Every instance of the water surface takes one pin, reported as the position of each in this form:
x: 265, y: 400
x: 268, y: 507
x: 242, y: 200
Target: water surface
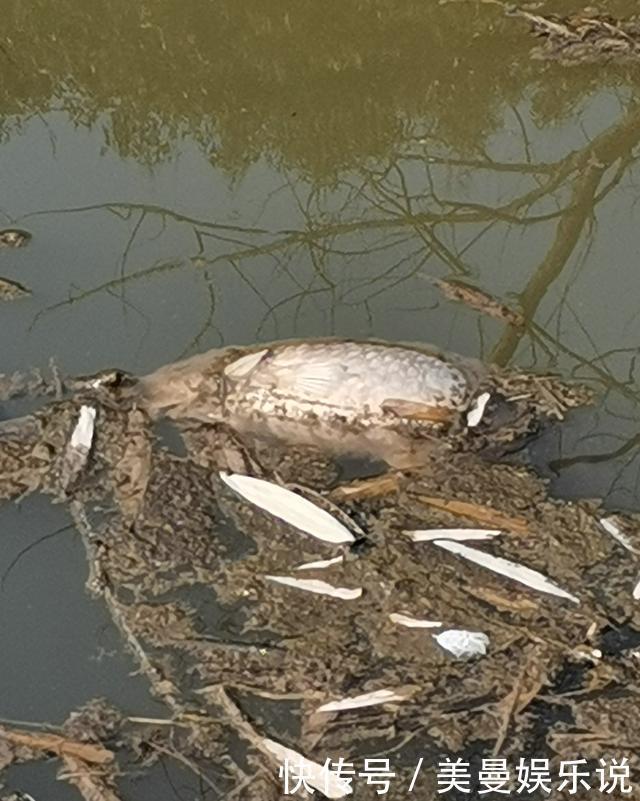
x: 196, y: 174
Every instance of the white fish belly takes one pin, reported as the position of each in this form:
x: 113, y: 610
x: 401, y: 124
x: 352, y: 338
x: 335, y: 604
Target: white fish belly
x: 351, y: 378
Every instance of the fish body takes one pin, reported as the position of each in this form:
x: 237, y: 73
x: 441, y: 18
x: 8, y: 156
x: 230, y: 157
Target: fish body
x: 340, y: 395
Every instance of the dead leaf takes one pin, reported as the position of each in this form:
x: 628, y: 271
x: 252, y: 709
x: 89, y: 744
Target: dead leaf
x: 12, y: 290
x: 583, y: 38
x: 368, y: 488
x: 478, y: 300
x: 14, y: 238
x: 475, y: 511
x: 501, y: 601
x: 7, y: 754
x: 412, y: 410
x: 55, y: 744
x: 91, y: 784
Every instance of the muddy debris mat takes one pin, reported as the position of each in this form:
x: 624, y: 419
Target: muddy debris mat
x: 266, y: 643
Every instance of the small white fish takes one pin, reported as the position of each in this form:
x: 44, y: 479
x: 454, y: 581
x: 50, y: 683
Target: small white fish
x: 455, y: 534
x: 82, y: 436
x: 476, y: 412
x: 505, y: 567
x: 290, y: 507
x: 320, y: 777
x: 321, y: 564
x: 319, y: 587
x: 366, y: 699
x: 463, y: 644
x: 636, y: 592
x: 413, y: 622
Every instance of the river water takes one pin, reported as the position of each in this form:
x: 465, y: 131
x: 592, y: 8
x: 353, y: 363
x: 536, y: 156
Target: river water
x: 196, y: 174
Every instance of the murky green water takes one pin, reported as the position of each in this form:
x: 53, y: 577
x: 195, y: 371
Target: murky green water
x: 199, y: 173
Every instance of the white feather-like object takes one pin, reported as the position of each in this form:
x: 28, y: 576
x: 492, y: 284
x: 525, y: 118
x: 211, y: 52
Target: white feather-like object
x: 505, y: 567
x: 321, y: 564
x: 320, y: 777
x: 611, y: 527
x: 290, y: 507
x: 244, y: 365
x: 413, y: 622
x: 82, y: 436
x: 455, y: 534
x: 319, y: 587
x: 476, y: 412
x: 366, y: 699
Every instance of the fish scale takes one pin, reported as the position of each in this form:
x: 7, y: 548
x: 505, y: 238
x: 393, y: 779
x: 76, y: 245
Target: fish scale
x: 350, y: 377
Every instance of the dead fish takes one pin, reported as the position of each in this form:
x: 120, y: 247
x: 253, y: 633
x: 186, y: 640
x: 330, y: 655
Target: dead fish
x: 364, y: 397
x: 12, y: 290
x: 14, y: 238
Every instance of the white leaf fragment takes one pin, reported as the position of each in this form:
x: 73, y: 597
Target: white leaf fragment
x: 82, y: 436
x: 320, y: 564
x: 505, y: 567
x: 241, y: 367
x: 320, y: 777
x: 289, y: 506
x: 463, y: 644
x: 366, y: 699
x: 413, y: 622
x: 476, y: 412
x: 319, y: 587
x: 611, y: 527
x: 455, y: 534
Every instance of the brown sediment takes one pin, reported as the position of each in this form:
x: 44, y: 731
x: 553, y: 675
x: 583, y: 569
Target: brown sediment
x: 175, y: 541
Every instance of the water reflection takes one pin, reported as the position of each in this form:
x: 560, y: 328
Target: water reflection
x: 249, y: 173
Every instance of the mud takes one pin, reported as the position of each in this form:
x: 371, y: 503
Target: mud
x: 180, y: 562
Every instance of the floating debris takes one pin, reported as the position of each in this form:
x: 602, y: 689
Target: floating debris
x: 368, y: 699
x: 479, y: 300
x: 243, y: 366
x: 368, y: 488
x: 611, y: 527
x: 290, y: 507
x: 463, y: 644
x: 478, y: 513
x: 413, y: 622
x: 455, y: 534
x: 520, y: 573
x: 414, y: 410
x: 319, y: 587
x: 77, y: 452
x: 14, y: 238
x: 12, y: 290
x: 82, y: 436
x: 476, y: 412
x: 321, y: 564
x: 320, y: 777
x: 583, y: 38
